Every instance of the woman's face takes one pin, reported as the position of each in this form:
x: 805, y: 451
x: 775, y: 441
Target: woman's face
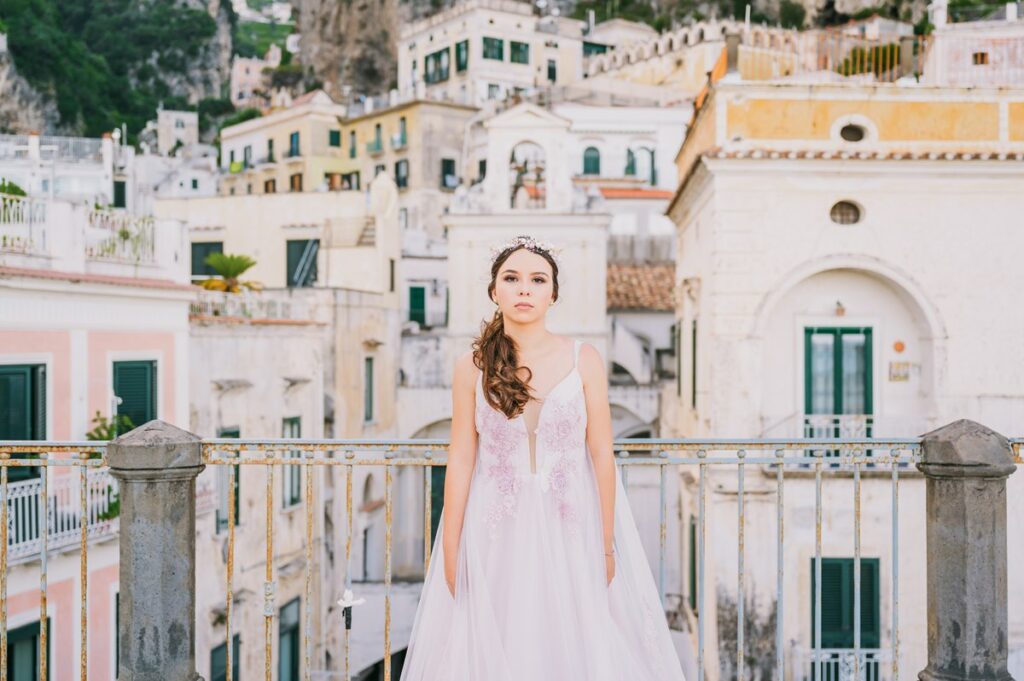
x: 524, y: 288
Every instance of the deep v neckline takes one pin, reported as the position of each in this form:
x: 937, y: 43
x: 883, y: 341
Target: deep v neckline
x: 544, y: 402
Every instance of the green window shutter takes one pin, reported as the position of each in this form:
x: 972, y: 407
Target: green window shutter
x: 837, y: 616
x: 334, y: 138
x: 462, y: 55
x: 200, y: 251
x: 368, y: 389
x: 219, y: 661
x: 418, y: 304
x: 301, y: 262
x: 494, y: 48
x: 23, y: 650
x: 519, y: 53
x: 119, y: 194
x: 135, y: 384
x: 591, y: 161
x: 221, y: 517
x: 292, y: 477
x: 288, y: 642
x: 22, y: 403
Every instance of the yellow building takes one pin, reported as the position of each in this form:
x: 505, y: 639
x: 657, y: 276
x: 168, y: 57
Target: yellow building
x: 294, y: 149
x: 419, y: 144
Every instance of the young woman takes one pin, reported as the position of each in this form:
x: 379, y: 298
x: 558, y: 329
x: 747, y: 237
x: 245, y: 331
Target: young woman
x: 537, y: 571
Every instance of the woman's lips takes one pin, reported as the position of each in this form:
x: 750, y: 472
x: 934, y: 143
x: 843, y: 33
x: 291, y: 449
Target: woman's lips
x: 524, y: 306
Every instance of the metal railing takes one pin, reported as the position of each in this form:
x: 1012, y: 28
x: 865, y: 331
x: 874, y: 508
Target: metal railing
x: 120, y: 236
x: 773, y: 461
x: 51, y: 533
x: 249, y: 306
x: 22, y: 225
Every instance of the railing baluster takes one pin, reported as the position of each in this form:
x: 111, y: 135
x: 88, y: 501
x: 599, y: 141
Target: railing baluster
x: 307, y: 642
x: 740, y: 590
x: 856, y: 571
x: 44, y: 525
x: 268, y: 578
x: 895, y: 565
x: 4, y: 501
x: 817, y: 565
x: 83, y: 564
x: 780, y: 552
x: 388, y: 501
x: 230, y: 570
x: 702, y: 494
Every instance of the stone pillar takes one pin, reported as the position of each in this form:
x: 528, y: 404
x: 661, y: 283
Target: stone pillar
x: 156, y: 467
x: 732, y: 52
x: 907, y: 56
x: 966, y: 465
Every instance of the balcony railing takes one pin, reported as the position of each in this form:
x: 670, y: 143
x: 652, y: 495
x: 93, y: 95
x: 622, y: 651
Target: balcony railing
x: 248, y: 306
x: 156, y: 467
x: 399, y: 141
x: 22, y: 225
x: 65, y: 511
x: 120, y: 236
x: 374, y: 147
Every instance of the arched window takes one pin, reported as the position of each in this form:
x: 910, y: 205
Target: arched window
x: 591, y: 161
x: 630, y: 163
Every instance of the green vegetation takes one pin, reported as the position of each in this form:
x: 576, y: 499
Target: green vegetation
x: 253, y: 39
x: 10, y: 188
x: 792, y: 14
x: 106, y: 63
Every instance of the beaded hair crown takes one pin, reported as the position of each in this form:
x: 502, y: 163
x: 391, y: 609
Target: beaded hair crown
x: 529, y: 243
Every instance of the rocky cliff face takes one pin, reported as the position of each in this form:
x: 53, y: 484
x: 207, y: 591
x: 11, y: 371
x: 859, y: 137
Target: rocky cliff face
x: 208, y: 75
x: 22, y: 108
x: 353, y: 42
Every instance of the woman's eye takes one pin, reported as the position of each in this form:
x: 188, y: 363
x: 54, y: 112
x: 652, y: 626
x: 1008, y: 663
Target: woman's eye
x: 510, y: 278
x: 538, y: 280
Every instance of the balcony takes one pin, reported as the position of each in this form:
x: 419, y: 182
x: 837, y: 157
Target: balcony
x: 374, y: 147
x: 66, y: 236
x: 268, y: 306
x: 314, y: 543
x: 66, y: 510
x: 399, y: 141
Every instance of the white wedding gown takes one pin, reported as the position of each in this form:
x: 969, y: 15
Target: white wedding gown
x: 532, y: 601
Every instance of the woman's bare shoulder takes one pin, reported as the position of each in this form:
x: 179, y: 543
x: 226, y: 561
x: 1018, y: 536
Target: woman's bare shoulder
x: 465, y: 370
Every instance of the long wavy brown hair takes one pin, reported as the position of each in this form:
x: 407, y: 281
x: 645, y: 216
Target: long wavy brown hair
x: 495, y: 354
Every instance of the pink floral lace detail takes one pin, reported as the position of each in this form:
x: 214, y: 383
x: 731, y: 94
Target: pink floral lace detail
x: 562, y: 432
x: 501, y: 438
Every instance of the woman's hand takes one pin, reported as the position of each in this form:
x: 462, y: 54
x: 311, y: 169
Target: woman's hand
x: 449, y: 575
x: 609, y: 566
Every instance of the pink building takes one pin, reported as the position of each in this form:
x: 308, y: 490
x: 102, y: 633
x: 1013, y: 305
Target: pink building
x: 94, y: 320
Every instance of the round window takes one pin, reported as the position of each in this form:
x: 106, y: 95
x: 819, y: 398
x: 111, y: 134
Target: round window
x: 852, y: 133
x: 845, y: 213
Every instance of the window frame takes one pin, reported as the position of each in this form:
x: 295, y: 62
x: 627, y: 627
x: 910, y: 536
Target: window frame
x: 291, y: 476
x: 592, y: 161
x: 493, y: 48
x: 518, y: 52
x: 153, y: 408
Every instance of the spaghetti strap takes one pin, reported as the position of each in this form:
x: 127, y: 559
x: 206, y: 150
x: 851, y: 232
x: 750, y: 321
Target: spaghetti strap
x: 576, y: 353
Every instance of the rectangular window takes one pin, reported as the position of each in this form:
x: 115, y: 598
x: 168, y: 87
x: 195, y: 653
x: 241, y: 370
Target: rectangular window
x: 270, y: 187
x: 23, y: 651
x: 292, y: 476
x: 288, y: 642
x: 436, y: 66
x: 350, y: 180
x: 979, y: 58
x: 334, y: 138
x: 135, y: 384
x: 837, y: 379
x: 219, y: 661
x: 352, y: 144
x: 391, y: 275
x: 400, y: 140
x: 693, y: 364
x: 120, y: 200
x: 693, y: 564
x: 368, y: 389
x: 519, y: 53
x: 590, y: 49
x: 301, y: 256
x: 448, y: 178
x: 402, y: 173
x: 23, y: 409
x: 333, y: 181
x: 195, y: 183
x: 493, y: 91
x: 403, y: 219
x: 837, y: 605
x: 494, y: 48
x: 295, y: 182
x: 200, y: 251
x: 270, y: 151
x: 379, y: 168
x: 418, y: 304
x: 462, y: 55
x: 247, y: 156
x: 481, y: 169
x: 552, y: 70
x: 293, y: 144
x: 223, y: 487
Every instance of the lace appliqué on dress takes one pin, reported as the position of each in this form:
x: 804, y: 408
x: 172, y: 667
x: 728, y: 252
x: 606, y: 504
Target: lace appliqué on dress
x: 502, y: 442
x: 563, y: 435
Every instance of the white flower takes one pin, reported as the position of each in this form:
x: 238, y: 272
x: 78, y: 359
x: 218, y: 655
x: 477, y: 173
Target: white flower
x: 347, y: 599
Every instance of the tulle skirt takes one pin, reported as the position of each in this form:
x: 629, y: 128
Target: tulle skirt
x: 532, y: 601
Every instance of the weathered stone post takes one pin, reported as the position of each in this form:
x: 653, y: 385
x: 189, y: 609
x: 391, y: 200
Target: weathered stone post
x: 156, y: 467
x: 966, y: 465
x: 732, y: 51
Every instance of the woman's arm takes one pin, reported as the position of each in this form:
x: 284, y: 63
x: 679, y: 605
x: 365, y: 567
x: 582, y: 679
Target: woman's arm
x: 461, y: 460
x: 599, y: 442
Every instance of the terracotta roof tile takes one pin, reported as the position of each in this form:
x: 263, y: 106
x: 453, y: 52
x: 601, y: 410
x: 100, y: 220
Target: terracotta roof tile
x: 641, y: 286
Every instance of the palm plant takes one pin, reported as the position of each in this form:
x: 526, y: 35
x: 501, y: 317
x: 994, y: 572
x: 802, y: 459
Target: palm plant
x: 229, y: 268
